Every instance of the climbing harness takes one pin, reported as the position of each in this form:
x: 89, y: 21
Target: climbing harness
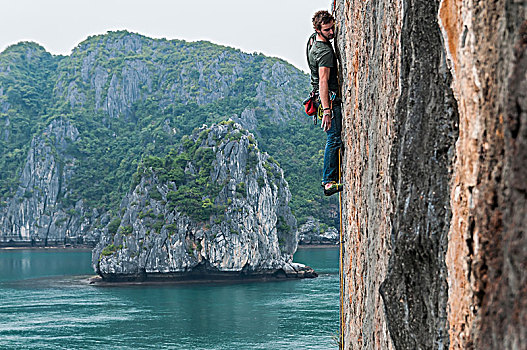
x: 313, y: 106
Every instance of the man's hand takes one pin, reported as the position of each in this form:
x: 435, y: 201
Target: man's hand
x: 326, y: 122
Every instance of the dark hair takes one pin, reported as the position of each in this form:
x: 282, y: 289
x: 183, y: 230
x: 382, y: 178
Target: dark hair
x: 322, y: 17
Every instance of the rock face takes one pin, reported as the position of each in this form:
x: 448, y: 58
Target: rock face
x: 312, y: 233
x: 434, y: 213
x: 239, y: 226
x: 37, y: 215
x: 487, y: 49
x: 400, y: 130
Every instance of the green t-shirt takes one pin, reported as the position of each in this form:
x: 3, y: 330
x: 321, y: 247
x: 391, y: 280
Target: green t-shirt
x: 322, y: 55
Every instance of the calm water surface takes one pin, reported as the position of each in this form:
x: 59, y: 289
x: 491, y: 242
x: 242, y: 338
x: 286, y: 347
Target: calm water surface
x: 45, y: 303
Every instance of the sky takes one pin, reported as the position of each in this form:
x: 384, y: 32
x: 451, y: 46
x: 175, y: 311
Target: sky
x: 278, y: 28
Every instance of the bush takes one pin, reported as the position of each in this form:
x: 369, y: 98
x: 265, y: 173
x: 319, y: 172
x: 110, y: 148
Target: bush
x: 282, y: 226
x: 240, y: 188
x: 158, y: 225
x: 114, y: 226
x: 109, y: 250
x: 154, y: 194
x: 149, y: 213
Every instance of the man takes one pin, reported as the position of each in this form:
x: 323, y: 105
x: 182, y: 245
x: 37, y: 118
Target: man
x: 324, y: 79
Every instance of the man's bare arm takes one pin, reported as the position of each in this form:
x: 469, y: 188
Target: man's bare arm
x: 323, y: 76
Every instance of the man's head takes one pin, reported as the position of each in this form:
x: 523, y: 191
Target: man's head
x: 324, y: 24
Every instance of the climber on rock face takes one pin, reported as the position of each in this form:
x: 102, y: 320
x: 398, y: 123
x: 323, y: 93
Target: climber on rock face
x: 323, y: 66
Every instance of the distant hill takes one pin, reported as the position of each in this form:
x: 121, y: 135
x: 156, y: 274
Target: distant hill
x: 92, y: 116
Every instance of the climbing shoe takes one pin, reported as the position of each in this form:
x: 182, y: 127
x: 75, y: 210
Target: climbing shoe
x: 331, y: 188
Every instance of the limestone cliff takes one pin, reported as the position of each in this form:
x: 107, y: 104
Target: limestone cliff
x: 313, y: 233
x: 128, y: 96
x: 39, y: 213
x: 434, y: 208
x: 217, y: 208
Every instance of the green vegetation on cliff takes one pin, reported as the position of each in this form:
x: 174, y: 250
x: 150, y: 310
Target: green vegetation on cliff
x: 195, y: 192
x: 132, y: 97
x: 26, y: 86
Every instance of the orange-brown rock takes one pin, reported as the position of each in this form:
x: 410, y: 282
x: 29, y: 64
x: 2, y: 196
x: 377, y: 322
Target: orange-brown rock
x: 487, y: 252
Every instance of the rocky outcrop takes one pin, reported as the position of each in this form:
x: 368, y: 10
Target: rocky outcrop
x: 217, y: 208
x: 434, y: 209
x: 39, y: 213
x: 313, y: 233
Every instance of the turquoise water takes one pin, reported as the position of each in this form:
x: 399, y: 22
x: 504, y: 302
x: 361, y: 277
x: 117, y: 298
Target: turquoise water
x: 45, y: 303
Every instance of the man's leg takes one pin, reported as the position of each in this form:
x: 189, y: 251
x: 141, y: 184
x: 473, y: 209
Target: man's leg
x: 333, y: 143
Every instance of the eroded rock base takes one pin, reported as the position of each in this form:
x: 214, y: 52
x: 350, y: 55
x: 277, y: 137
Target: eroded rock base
x: 203, y: 275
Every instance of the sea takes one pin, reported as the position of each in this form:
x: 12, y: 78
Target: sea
x: 46, y: 302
